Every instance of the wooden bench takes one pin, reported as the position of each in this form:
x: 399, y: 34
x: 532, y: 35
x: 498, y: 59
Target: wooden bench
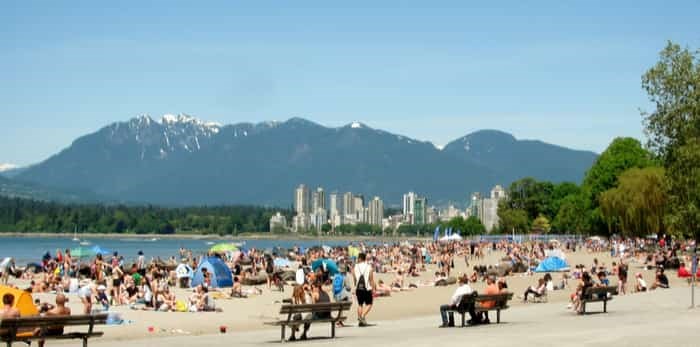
x: 598, y: 294
x: 21, y: 329
x: 292, y: 310
x: 500, y: 303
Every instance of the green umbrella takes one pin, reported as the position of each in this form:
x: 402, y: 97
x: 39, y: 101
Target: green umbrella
x: 81, y: 252
x: 223, y: 248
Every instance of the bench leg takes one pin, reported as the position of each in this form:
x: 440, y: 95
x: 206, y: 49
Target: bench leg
x: 332, y: 329
x: 462, y: 319
x: 498, y: 316
x: 85, y: 342
x: 605, y: 306
x: 282, y: 333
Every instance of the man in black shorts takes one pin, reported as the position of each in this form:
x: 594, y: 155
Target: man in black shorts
x: 363, y: 276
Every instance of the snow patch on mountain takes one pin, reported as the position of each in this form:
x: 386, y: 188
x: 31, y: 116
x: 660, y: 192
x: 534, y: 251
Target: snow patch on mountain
x: 7, y: 167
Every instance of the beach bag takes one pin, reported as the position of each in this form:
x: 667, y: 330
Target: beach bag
x: 180, y: 306
x: 361, y: 283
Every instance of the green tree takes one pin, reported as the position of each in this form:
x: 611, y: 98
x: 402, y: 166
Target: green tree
x: 512, y: 219
x: 637, y: 206
x: 541, y: 224
x: 571, y: 216
x: 673, y: 127
x: 473, y: 226
x: 622, y: 154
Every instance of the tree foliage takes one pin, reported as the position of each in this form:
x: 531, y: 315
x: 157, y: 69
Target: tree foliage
x: 467, y: 227
x: 637, y: 206
x: 622, y: 154
x: 541, y: 224
x: 673, y: 128
x: 34, y: 216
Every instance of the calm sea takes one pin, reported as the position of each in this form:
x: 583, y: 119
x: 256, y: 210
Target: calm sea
x: 30, y: 249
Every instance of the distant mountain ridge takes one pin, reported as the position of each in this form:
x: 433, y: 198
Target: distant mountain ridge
x: 180, y: 160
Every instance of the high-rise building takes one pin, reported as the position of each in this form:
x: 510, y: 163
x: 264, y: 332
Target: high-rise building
x: 318, y: 218
x: 419, y: 210
x: 300, y: 222
x: 348, y: 204
x: 358, y: 202
x: 376, y: 211
x: 408, y: 203
x: 336, y: 209
x: 318, y: 200
x: 488, y: 211
x: 301, y: 200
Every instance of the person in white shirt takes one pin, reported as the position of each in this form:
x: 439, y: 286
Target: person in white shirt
x: 7, y: 267
x: 363, y: 276
x: 462, y: 290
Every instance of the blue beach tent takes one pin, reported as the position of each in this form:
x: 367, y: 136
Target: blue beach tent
x: 219, y: 273
x: 552, y: 264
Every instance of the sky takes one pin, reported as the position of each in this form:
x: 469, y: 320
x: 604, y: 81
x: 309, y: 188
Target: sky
x: 564, y: 72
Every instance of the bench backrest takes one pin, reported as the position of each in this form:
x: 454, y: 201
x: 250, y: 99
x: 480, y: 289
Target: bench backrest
x: 320, y: 307
x: 53, y: 321
x: 600, y: 290
x: 500, y: 300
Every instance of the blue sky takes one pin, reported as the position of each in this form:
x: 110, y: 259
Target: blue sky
x: 564, y: 72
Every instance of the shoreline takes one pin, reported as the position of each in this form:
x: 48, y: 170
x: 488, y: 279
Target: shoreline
x: 251, y: 236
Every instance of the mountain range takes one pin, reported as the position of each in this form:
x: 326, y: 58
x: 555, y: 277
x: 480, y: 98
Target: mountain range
x: 180, y: 160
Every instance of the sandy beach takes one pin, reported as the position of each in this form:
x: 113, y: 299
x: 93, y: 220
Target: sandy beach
x: 417, y: 308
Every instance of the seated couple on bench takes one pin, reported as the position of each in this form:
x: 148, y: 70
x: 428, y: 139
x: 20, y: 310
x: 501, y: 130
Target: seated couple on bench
x: 478, y: 315
x: 9, y: 312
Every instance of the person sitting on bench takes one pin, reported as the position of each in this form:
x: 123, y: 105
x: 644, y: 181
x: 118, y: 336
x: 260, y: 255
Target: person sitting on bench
x: 8, y: 311
x: 462, y: 290
x: 318, y: 296
x: 59, y: 310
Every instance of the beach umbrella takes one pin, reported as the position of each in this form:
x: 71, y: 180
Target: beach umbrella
x: 326, y: 249
x: 183, y: 271
x: 223, y: 248
x: 436, y: 234
x: 282, y: 262
x: 326, y: 264
x: 81, y: 252
x: 99, y: 250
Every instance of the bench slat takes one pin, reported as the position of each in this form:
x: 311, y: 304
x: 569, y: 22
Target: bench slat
x: 39, y: 321
x: 324, y: 307
x: 304, y: 321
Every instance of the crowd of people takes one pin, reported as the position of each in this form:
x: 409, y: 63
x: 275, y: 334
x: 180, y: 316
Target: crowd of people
x: 348, y: 273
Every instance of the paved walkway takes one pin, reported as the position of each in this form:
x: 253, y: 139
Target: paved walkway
x: 660, y: 318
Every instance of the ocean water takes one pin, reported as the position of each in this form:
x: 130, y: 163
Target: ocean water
x: 30, y: 249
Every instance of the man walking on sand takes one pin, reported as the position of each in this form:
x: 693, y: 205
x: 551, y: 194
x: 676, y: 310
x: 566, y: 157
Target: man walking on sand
x: 363, y: 276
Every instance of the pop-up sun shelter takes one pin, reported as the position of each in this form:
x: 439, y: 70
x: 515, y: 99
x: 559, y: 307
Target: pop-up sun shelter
x: 219, y: 273
x: 23, y: 301
x: 552, y: 264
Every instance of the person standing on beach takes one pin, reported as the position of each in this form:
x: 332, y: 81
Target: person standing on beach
x: 7, y: 267
x: 363, y: 276
x: 622, y: 278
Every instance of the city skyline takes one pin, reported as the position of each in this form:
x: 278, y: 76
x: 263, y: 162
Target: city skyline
x: 432, y: 73
x: 348, y: 208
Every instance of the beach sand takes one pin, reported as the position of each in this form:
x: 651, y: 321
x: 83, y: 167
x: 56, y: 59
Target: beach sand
x: 247, y: 315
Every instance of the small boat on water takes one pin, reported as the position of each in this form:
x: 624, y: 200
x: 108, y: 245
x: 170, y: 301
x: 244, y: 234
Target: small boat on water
x: 154, y: 239
x: 85, y: 243
x: 75, y: 235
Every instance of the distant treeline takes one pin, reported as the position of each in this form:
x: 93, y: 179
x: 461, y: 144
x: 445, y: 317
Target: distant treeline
x: 21, y: 215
